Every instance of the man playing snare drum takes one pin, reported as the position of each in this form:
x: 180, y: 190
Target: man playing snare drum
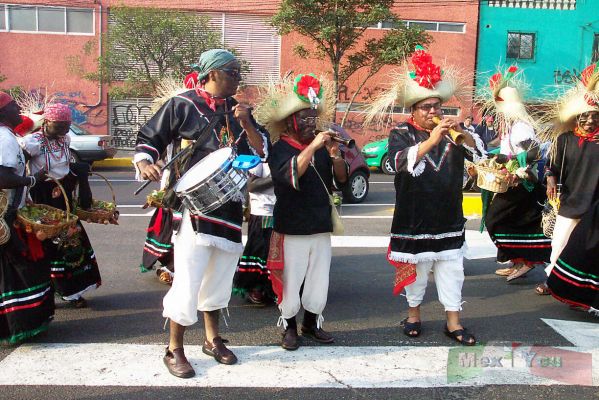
x: 207, y: 245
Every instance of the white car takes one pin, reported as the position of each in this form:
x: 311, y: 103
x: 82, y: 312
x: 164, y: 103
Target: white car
x: 87, y: 147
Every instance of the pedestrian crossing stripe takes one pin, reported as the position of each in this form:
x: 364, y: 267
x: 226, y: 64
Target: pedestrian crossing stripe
x: 111, y: 364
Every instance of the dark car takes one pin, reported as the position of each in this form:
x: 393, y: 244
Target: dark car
x: 87, y: 147
x: 356, y: 189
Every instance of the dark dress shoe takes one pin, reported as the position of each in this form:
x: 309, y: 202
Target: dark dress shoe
x: 219, y: 351
x: 177, y: 363
x: 318, y: 334
x: 290, y: 341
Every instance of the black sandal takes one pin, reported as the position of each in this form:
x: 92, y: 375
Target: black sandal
x: 409, y: 327
x: 466, y: 337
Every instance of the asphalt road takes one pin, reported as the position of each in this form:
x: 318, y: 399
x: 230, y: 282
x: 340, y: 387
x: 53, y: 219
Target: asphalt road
x: 361, y: 312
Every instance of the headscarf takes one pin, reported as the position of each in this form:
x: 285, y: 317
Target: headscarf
x: 211, y: 60
x: 57, y: 112
x: 5, y: 99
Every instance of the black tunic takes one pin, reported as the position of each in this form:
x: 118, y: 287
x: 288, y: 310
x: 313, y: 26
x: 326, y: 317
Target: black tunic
x: 428, y: 222
x: 303, y: 206
x: 580, y: 175
x: 184, y: 117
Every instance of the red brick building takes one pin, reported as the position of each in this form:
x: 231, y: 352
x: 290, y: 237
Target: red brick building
x: 37, y: 38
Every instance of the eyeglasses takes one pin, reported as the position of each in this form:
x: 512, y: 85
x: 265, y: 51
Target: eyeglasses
x: 429, y: 107
x: 309, y: 120
x: 589, y: 115
x: 232, y: 72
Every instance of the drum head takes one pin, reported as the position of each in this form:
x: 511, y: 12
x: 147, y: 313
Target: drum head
x: 203, y: 169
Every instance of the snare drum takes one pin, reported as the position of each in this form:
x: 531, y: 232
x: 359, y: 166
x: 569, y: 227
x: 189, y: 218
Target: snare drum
x: 211, y: 182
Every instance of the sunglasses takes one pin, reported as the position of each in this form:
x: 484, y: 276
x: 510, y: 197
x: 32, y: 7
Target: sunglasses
x: 232, y: 72
x: 428, y: 107
x: 309, y: 120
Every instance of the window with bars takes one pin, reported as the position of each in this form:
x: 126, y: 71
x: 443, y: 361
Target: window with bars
x: 595, y: 55
x: 45, y: 19
x: 521, y: 45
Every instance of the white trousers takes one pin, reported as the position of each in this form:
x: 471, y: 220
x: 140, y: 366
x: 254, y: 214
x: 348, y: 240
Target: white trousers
x: 307, y: 261
x: 203, y: 277
x: 561, y: 234
x: 449, y: 278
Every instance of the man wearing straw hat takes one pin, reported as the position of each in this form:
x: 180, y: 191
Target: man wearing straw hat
x: 427, y: 233
x: 303, y: 164
x: 206, y: 246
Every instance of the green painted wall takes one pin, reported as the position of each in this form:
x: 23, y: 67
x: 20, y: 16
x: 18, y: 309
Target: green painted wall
x: 564, y: 42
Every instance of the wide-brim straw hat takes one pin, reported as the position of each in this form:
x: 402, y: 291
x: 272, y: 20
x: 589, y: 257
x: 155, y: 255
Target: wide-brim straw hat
x: 412, y: 84
x: 584, y: 97
x: 279, y: 100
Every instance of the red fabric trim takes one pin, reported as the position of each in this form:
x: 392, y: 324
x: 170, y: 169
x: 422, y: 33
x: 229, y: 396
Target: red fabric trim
x: 574, y: 303
x: 157, y: 223
x: 525, y: 246
x: 24, y: 307
x: 276, y: 263
x: 415, y: 125
x: 293, y: 143
x: 582, y: 285
x: 405, y: 274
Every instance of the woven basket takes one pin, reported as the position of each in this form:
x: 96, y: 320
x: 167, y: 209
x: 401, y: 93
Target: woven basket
x: 100, y: 215
x: 46, y: 231
x: 491, y: 179
x: 3, y: 203
x: 4, y: 232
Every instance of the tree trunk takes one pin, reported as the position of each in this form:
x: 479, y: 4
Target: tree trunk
x: 353, y: 98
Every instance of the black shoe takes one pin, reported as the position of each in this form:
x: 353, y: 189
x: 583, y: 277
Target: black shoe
x: 317, y: 334
x: 290, y: 339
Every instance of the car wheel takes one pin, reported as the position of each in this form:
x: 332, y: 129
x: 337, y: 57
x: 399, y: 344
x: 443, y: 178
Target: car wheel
x: 356, y: 189
x: 74, y: 158
x: 386, y: 166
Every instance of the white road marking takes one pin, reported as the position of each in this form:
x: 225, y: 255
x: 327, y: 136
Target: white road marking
x: 110, y: 364
x: 581, y: 334
x: 115, y: 180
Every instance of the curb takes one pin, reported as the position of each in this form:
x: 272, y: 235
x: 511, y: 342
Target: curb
x: 472, y: 205
x: 114, y: 162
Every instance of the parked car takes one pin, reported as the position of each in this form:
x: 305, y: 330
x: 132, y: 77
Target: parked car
x: 357, y: 186
x: 87, y: 147
x: 376, y: 156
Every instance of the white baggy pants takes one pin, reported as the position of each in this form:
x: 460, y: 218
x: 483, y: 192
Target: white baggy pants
x: 203, y: 277
x: 307, y: 261
x: 449, y: 278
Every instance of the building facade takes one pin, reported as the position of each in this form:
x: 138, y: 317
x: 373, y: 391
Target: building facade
x: 39, y: 37
x: 550, y: 40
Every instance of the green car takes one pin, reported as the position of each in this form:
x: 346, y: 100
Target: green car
x: 375, y: 154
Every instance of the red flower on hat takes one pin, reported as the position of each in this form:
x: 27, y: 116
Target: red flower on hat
x: 587, y: 73
x: 426, y: 73
x: 495, y: 80
x: 303, y: 85
x: 512, y: 69
x: 24, y: 127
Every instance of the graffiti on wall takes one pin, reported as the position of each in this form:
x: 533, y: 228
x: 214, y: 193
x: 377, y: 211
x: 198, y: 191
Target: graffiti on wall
x: 565, y: 77
x: 126, y: 117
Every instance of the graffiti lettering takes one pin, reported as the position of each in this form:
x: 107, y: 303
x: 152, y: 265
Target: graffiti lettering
x: 366, y: 94
x: 126, y: 117
x: 565, y: 77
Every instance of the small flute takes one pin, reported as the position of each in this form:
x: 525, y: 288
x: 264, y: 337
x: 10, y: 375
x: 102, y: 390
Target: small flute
x: 457, y: 137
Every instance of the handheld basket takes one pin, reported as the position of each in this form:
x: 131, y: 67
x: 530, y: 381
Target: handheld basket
x: 491, y: 179
x: 51, y: 222
x: 548, y: 217
x: 4, y: 228
x: 102, y: 212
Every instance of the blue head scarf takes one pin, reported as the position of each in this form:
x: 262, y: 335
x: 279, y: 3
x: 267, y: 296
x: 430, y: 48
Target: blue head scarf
x: 211, y: 60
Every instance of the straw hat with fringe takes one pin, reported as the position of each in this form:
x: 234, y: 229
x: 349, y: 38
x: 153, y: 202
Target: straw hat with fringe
x: 502, y: 100
x: 32, y: 109
x: 584, y: 97
x: 408, y: 87
x: 279, y: 100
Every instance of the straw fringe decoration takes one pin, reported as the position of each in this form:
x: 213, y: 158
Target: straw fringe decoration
x: 167, y: 88
x: 274, y: 94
